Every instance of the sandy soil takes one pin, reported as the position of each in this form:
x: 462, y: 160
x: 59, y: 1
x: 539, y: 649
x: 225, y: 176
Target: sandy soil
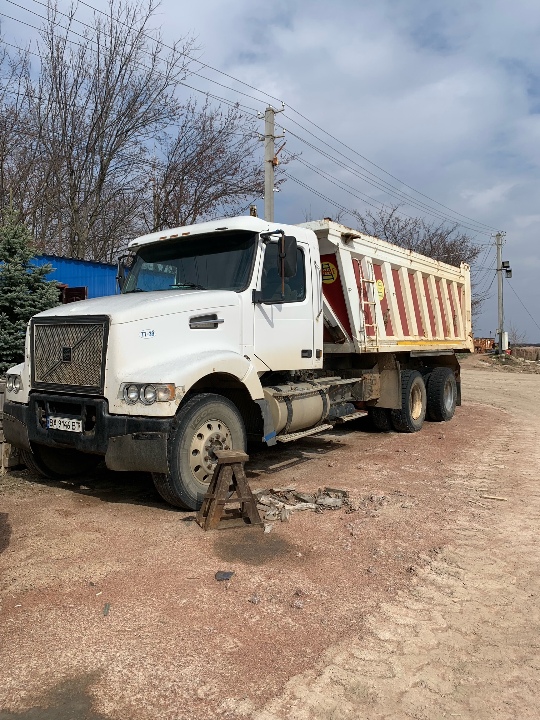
x: 422, y: 603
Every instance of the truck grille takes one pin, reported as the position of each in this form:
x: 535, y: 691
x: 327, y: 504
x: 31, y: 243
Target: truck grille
x: 69, y: 355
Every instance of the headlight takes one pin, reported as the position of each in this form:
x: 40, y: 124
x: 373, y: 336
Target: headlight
x: 14, y: 383
x: 165, y: 392
x: 131, y: 394
x: 148, y: 394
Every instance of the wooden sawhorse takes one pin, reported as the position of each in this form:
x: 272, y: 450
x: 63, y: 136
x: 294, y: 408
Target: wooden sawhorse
x: 228, y: 486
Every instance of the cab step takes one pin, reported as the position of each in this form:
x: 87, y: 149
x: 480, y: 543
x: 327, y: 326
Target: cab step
x: 352, y: 416
x: 303, y: 433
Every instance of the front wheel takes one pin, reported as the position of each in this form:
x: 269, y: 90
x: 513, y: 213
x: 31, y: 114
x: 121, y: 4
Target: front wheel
x: 206, y: 423
x: 57, y: 463
x: 413, y: 403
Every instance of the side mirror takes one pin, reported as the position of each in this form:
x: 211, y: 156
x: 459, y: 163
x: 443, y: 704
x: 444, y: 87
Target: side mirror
x: 124, y: 265
x: 287, y: 253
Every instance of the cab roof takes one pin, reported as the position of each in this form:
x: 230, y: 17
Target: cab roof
x: 244, y: 222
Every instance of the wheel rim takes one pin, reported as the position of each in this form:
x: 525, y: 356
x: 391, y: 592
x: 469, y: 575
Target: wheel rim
x: 417, y: 403
x: 448, y: 396
x: 210, y: 436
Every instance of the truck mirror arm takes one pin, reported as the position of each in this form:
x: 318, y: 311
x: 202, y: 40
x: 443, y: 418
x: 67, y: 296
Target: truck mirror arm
x: 121, y: 266
x: 120, y: 274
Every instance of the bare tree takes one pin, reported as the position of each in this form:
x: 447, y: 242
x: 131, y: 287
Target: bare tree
x: 516, y: 336
x: 95, y: 108
x: 96, y: 146
x: 208, y: 169
x: 439, y: 241
x: 18, y: 154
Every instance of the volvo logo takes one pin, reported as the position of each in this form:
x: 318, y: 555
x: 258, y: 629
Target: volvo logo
x: 66, y: 354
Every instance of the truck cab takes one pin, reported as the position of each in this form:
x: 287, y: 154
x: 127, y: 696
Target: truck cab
x: 205, y: 311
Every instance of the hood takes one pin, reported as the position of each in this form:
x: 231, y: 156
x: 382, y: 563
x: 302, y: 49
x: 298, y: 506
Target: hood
x: 145, y: 305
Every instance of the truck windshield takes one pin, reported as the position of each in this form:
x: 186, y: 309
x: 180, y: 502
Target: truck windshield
x: 204, y: 262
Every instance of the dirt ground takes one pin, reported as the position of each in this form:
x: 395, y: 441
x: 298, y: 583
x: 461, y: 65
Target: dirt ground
x: 421, y: 602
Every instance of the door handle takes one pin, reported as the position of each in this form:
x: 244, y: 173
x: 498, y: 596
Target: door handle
x: 205, y: 322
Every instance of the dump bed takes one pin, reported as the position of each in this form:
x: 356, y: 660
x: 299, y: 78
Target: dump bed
x: 379, y: 297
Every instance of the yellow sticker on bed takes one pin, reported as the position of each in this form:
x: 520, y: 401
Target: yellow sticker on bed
x: 329, y: 272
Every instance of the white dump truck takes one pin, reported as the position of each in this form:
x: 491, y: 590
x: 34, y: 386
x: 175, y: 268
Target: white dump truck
x: 233, y: 330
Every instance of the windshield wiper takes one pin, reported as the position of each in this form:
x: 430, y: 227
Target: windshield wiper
x: 193, y: 286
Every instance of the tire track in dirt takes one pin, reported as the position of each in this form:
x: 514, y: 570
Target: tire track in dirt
x: 464, y: 641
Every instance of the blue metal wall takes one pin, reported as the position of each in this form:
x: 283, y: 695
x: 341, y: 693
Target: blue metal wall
x: 99, y: 278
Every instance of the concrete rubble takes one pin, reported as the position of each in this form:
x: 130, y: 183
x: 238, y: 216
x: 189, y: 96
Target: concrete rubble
x: 279, y: 503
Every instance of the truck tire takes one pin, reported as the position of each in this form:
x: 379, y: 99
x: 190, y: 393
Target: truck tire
x: 441, y: 394
x: 59, y: 464
x: 206, y: 423
x: 413, y: 403
x: 380, y: 419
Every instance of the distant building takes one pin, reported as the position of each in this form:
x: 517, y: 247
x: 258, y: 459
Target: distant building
x: 80, y: 279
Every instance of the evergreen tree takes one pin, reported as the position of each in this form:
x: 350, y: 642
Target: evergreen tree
x: 23, y: 288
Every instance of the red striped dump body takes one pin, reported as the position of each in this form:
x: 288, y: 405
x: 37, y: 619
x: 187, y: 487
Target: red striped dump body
x: 380, y: 297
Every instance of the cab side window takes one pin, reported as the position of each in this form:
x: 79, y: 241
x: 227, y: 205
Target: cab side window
x: 271, y: 286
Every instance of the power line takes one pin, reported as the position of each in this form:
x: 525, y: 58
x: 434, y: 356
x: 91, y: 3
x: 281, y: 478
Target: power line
x: 210, y: 67
x: 481, y: 286
x: 251, y: 87
x: 69, y: 30
x: 319, y: 194
x: 375, y: 165
x: 479, y: 292
x: 377, y: 182
x: 86, y: 25
x: 252, y: 111
x: 389, y: 189
x: 481, y: 273
x: 342, y: 186
x: 523, y: 306
x: 261, y: 92
x: 370, y: 200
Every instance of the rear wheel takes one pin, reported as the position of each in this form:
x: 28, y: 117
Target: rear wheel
x: 206, y: 423
x: 58, y: 463
x: 441, y: 394
x: 380, y: 419
x: 413, y: 403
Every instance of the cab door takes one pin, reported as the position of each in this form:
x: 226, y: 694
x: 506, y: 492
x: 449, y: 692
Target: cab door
x: 283, y: 315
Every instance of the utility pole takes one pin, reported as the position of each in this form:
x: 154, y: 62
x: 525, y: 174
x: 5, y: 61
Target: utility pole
x: 498, y: 242
x: 270, y: 161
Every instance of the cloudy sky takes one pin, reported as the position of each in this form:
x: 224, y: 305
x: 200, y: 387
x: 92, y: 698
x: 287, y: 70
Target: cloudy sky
x: 444, y: 95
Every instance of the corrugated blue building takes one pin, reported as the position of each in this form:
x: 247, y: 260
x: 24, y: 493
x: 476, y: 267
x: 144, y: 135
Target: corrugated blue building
x: 99, y: 278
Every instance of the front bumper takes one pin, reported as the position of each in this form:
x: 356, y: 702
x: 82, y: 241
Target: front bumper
x: 126, y: 442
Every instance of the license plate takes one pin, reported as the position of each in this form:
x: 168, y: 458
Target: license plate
x: 68, y: 424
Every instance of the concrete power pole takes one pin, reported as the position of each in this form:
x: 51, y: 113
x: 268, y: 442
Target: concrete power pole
x: 269, y: 137
x: 499, y: 241
x: 270, y: 161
